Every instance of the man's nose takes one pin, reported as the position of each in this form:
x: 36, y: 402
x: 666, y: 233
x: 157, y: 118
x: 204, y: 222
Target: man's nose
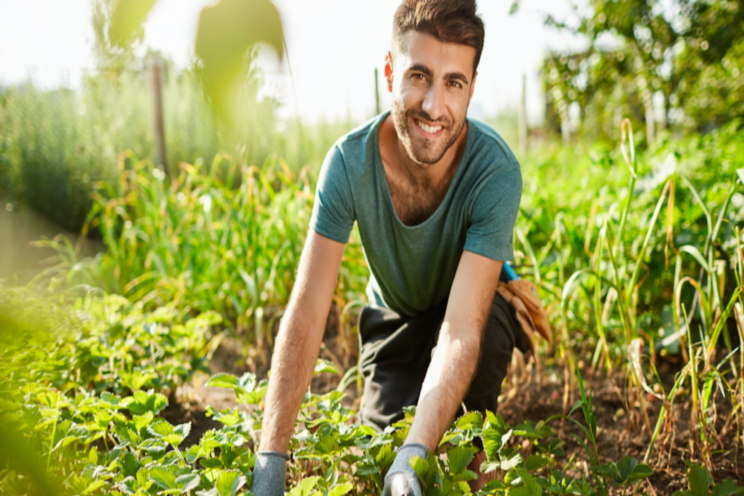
x: 434, y: 102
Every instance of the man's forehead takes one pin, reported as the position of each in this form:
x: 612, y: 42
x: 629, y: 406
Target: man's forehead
x: 417, y: 48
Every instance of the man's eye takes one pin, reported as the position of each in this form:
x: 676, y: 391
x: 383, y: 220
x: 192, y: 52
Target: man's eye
x: 456, y: 84
x: 420, y: 77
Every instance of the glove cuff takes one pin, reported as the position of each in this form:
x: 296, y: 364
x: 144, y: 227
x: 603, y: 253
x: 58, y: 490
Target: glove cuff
x: 403, y: 458
x: 421, y: 450
x: 269, y: 473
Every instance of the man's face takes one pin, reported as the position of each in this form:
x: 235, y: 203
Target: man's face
x: 431, y: 84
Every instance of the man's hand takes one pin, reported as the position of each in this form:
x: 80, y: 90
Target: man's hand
x: 456, y: 357
x: 401, y: 479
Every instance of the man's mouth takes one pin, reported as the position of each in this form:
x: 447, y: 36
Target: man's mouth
x: 428, y: 130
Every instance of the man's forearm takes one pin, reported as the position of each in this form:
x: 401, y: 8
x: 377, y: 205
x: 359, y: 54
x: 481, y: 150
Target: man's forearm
x: 292, y: 366
x: 447, y: 380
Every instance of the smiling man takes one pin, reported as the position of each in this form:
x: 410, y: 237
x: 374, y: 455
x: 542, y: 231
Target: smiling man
x: 435, y: 196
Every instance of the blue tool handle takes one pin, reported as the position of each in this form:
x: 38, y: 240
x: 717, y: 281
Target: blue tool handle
x: 508, y: 272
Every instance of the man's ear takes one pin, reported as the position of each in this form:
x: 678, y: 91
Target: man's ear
x: 472, y: 87
x: 389, y: 71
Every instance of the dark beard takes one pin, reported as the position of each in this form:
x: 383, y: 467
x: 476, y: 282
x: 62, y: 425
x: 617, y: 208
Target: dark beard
x: 424, y: 153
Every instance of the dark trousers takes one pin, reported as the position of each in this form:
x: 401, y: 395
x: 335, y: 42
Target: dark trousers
x: 396, y: 351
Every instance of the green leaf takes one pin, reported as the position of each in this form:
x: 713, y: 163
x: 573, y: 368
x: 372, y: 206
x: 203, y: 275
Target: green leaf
x: 142, y: 402
x: 225, y: 31
x: 141, y: 421
x: 420, y: 466
x: 641, y: 472
x: 727, y: 488
x: 129, y: 464
x: 247, y: 381
x: 512, y: 462
x: 161, y: 429
x: 459, y: 458
x: 163, y: 478
x: 188, y: 482
x: 305, y: 487
x: 699, y: 479
x: 473, y: 420
x: 492, y: 442
x: 487, y: 467
x: 529, y: 486
x: 173, y: 439
x: 222, y: 380
x: 324, y: 367
x: 341, y: 489
x: 463, y: 486
x: 229, y: 483
x: 535, y: 462
x: 183, y: 429
x: 94, y: 486
x: 127, y: 19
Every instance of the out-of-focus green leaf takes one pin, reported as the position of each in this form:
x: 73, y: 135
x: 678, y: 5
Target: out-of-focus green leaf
x: 305, y: 487
x: 324, y: 366
x: 127, y: 19
x: 226, y: 30
x: 700, y: 480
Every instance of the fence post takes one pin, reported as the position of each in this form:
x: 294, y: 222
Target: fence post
x: 155, y: 64
x: 377, y: 93
x: 565, y: 123
x: 648, y: 102
x: 523, y: 128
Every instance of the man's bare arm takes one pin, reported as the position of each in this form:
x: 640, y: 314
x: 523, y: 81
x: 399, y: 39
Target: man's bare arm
x: 455, y: 359
x: 300, y: 335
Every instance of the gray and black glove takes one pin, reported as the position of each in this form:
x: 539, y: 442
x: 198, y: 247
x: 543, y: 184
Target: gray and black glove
x: 269, y: 473
x: 401, y: 479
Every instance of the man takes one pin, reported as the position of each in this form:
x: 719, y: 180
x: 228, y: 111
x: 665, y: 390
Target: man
x: 435, y: 196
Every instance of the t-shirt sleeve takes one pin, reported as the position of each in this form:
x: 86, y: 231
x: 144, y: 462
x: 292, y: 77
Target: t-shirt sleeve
x: 495, y: 209
x: 333, y: 209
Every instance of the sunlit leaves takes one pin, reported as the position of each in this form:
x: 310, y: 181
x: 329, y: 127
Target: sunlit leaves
x: 226, y: 30
x: 127, y: 19
x: 305, y: 487
x: 144, y: 402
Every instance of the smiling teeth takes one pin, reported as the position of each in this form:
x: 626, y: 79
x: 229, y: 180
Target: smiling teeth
x: 428, y: 129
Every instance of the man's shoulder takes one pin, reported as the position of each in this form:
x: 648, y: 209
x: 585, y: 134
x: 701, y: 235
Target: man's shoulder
x: 355, y: 143
x: 491, y: 143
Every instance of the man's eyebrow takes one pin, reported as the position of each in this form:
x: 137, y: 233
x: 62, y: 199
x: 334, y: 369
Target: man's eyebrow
x: 457, y: 75
x: 420, y: 68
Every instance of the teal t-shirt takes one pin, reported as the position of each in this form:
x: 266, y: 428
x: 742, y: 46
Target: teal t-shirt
x: 412, y: 267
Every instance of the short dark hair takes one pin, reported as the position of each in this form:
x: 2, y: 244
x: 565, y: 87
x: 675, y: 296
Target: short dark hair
x: 449, y: 21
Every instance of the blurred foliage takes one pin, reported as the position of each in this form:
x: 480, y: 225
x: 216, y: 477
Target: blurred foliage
x: 675, y: 65
x: 226, y: 30
x: 573, y: 196
x: 127, y: 18
x: 225, y: 238
x: 55, y: 144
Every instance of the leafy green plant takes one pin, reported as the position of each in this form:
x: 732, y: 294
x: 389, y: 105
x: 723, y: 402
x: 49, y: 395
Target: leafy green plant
x: 702, y: 484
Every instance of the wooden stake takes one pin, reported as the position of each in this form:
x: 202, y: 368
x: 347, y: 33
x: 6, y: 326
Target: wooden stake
x: 155, y: 64
x: 377, y: 93
x: 523, y: 128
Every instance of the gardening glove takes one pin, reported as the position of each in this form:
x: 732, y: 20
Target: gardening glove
x: 401, y: 479
x: 269, y: 473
